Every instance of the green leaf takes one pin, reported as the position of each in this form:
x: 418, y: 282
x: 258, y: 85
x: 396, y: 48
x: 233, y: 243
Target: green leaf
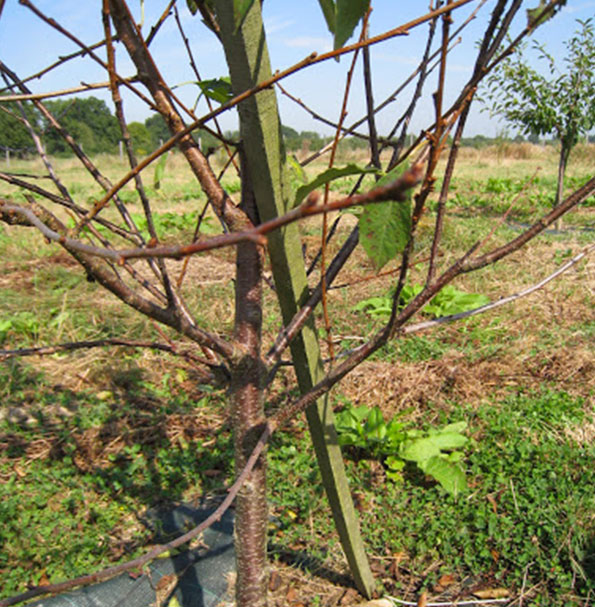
x: 217, y: 89
x: 328, y: 176
x: 192, y: 6
x: 421, y: 449
x: 348, y: 13
x: 375, y: 427
x: 449, y: 475
x: 159, y: 171
x: 328, y: 10
x: 240, y: 10
x: 394, y: 463
x: 375, y: 306
x: 384, y: 228
x: 450, y: 428
x: 533, y: 14
x: 5, y: 326
x: 297, y: 168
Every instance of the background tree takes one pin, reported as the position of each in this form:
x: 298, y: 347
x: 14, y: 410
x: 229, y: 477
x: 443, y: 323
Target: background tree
x: 158, y: 130
x: 142, y: 141
x: 559, y: 103
x: 112, y: 250
x: 14, y: 135
x: 89, y: 121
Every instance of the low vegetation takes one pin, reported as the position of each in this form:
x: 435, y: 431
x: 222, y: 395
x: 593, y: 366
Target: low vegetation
x: 90, y: 439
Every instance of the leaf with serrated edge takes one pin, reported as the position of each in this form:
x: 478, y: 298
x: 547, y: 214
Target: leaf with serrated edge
x: 348, y: 14
x: 384, y: 227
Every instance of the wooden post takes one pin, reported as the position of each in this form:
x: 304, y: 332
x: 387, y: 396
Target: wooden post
x: 260, y: 131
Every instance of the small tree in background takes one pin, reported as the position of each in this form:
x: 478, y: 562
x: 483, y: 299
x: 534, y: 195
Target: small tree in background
x: 560, y: 104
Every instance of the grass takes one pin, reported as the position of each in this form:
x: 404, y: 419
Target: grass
x: 90, y: 440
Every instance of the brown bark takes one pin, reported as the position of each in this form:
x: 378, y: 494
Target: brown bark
x: 248, y: 421
x: 150, y: 76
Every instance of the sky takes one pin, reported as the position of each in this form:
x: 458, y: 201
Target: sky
x: 294, y: 30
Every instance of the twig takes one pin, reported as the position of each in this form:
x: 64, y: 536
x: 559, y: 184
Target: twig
x: 394, y: 191
x: 85, y: 86
x: 324, y: 239
x: 456, y: 603
x: 98, y: 343
x: 86, y: 49
x: 500, y: 302
x: 61, y: 61
x: 311, y: 59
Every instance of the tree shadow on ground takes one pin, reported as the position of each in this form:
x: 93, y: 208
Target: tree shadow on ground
x: 135, y: 444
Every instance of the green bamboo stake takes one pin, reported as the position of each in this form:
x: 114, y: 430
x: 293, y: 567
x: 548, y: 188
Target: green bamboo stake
x: 260, y: 130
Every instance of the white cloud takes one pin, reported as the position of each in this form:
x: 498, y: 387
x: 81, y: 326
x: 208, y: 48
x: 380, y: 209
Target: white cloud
x: 576, y: 9
x: 310, y: 42
x: 275, y: 24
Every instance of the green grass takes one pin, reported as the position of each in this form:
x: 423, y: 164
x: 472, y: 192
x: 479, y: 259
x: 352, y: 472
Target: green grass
x: 78, y: 469
x: 529, y: 511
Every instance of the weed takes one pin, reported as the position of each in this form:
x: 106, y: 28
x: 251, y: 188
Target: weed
x: 449, y: 300
x: 436, y: 452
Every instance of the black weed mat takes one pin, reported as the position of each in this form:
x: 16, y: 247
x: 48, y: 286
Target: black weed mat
x: 195, y: 578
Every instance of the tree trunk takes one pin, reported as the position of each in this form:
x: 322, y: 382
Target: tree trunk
x: 562, y: 162
x: 260, y: 131
x: 247, y: 422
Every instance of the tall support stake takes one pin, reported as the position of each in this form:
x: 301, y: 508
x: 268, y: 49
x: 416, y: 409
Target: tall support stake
x: 260, y: 131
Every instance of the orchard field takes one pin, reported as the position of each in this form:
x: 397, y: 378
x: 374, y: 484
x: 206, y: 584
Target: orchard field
x: 90, y: 439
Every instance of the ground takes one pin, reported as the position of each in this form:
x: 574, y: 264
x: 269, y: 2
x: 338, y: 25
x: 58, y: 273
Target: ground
x: 119, y: 429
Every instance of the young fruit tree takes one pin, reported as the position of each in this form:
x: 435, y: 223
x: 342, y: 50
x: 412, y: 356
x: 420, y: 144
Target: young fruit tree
x: 261, y: 223
x: 559, y: 103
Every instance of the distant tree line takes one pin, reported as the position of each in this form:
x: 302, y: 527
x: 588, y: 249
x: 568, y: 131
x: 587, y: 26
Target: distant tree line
x: 92, y: 124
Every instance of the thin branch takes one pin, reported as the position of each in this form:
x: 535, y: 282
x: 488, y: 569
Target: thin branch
x: 194, y: 68
x: 157, y: 266
x: 438, y: 140
x: 86, y: 49
x: 234, y: 217
x: 422, y: 326
x: 85, y: 86
x: 99, y: 343
x: 457, y: 603
x: 385, y: 141
x: 156, y: 27
x: 281, y: 417
x: 61, y: 61
x: 85, y: 161
x: 395, y: 324
x: 311, y: 59
x: 395, y: 191
x: 331, y: 162
x: 571, y: 201
x: 51, y: 226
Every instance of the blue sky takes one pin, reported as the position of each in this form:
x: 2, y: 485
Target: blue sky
x: 294, y: 30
